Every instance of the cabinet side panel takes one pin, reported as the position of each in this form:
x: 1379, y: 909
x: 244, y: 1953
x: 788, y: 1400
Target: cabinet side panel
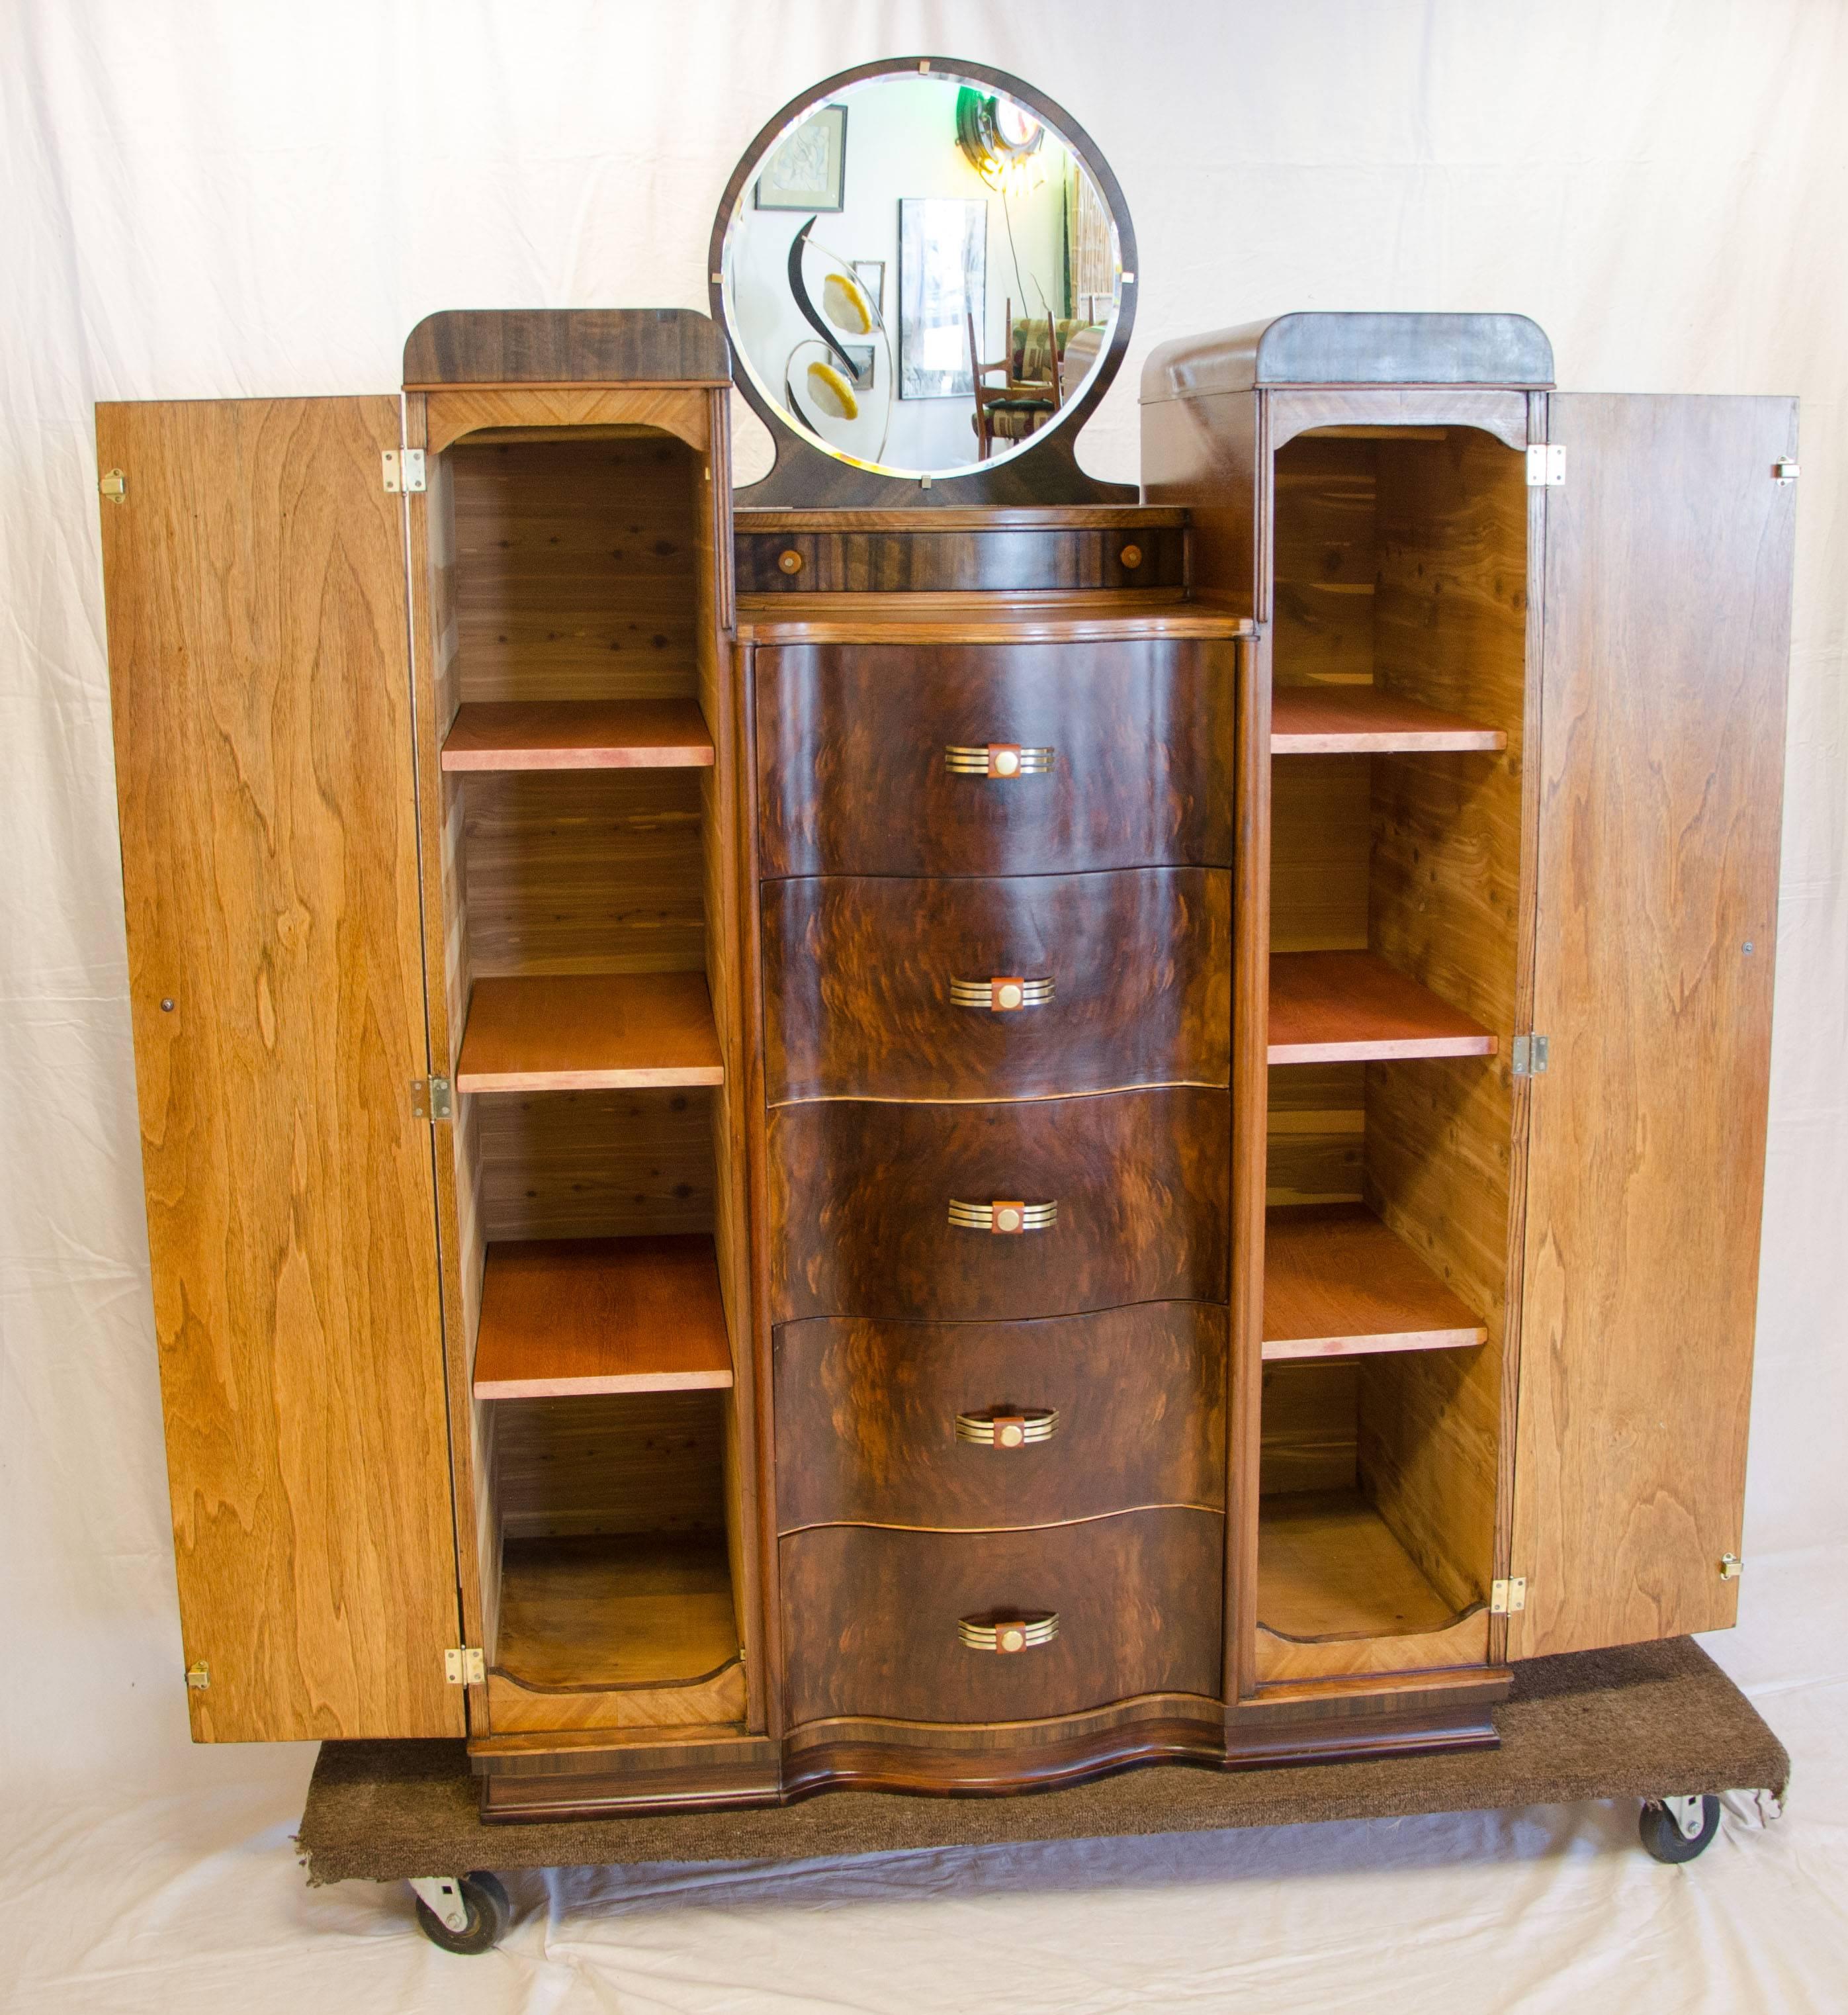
x: 1668, y: 570
x: 255, y: 573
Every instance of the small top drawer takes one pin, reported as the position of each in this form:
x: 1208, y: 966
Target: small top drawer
x: 873, y: 758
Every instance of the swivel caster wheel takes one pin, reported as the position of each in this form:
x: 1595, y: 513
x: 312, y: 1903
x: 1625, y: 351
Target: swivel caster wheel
x: 1678, y: 1829
x: 462, y: 1913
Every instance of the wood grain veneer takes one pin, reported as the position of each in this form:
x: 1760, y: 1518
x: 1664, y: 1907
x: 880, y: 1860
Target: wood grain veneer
x: 1337, y: 1283
x: 1324, y: 720
x: 859, y: 1198
x: 1335, y: 1007
x: 1329, y: 1567
x: 632, y: 1610
x: 870, y: 1617
x: 858, y: 971
x: 578, y: 735
x: 1669, y: 557
x: 866, y: 1415
x: 264, y: 765
x: 569, y: 1317
x: 851, y: 774
x: 585, y: 1033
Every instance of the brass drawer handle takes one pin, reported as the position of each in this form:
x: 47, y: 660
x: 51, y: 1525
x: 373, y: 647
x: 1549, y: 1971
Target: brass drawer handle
x: 997, y: 758
x: 1008, y: 1430
x: 1010, y: 1633
x: 1003, y: 995
x: 1005, y: 1217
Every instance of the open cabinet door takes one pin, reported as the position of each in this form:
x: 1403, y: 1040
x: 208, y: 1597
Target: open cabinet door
x: 254, y: 567
x: 1667, y: 629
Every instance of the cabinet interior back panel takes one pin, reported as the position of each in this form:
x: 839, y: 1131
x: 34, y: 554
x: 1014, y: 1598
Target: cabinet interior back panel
x: 577, y: 567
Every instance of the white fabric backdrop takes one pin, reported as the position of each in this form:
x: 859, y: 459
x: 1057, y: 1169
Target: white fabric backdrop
x: 215, y: 198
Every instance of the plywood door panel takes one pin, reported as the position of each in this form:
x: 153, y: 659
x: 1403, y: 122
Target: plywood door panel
x: 1668, y: 560
x: 256, y: 626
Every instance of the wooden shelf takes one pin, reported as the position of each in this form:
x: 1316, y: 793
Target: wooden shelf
x: 1338, y: 1284
x: 1339, y: 720
x: 1348, y: 1006
x: 562, y: 1317
x: 620, y: 1610
x: 1329, y: 1567
x: 586, y: 1033
x: 579, y: 734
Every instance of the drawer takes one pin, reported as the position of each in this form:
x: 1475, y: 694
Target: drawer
x: 873, y: 1621
x: 853, y: 779
x: 882, y: 988
x: 860, y: 1199
x: 976, y: 1425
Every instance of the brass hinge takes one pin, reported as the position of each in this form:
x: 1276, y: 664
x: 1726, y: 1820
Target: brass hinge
x: 1527, y: 1056
x: 1546, y: 465
x: 1506, y: 1598
x: 114, y: 485
x: 403, y: 469
x: 198, y: 1676
x: 430, y: 1099
x: 1731, y: 1567
x: 465, y: 1666
x: 1783, y: 470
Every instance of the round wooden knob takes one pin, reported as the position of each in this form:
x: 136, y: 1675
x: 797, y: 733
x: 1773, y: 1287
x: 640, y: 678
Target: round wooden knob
x: 1131, y: 556
x: 790, y: 561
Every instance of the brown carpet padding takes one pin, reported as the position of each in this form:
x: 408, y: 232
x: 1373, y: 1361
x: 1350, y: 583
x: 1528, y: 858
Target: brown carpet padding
x: 1640, y: 1721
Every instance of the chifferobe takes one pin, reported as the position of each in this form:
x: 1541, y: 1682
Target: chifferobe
x: 954, y: 1127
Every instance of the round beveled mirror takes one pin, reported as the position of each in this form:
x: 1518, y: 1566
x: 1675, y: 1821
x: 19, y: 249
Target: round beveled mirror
x: 927, y: 272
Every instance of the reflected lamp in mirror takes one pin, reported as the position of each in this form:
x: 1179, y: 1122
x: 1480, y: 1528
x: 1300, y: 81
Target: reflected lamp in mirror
x: 1008, y: 236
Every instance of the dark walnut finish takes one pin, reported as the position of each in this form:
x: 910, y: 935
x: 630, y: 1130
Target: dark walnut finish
x: 867, y: 1418
x: 870, y: 1617
x: 1014, y: 560
x: 859, y: 1196
x: 566, y: 346
x: 852, y: 777
x: 859, y: 973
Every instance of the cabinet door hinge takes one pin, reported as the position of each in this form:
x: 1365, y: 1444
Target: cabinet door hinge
x: 403, y: 469
x: 1527, y: 1056
x: 465, y: 1667
x: 1546, y: 465
x: 114, y: 484
x: 198, y: 1676
x: 1731, y: 1567
x: 1505, y: 1597
x: 430, y: 1099
x: 1783, y: 470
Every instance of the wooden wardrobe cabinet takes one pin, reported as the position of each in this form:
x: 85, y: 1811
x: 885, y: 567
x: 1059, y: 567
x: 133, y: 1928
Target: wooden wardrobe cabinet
x: 771, y: 1165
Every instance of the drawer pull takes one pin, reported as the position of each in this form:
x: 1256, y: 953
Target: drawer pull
x: 1008, y: 1633
x: 1005, y: 1217
x: 1008, y: 1430
x: 790, y: 561
x: 1002, y: 995
x: 1131, y: 557
x: 997, y: 758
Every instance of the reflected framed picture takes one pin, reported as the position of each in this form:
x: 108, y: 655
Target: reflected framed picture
x: 870, y: 273
x: 809, y: 171
x: 943, y: 254
x: 860, y: 356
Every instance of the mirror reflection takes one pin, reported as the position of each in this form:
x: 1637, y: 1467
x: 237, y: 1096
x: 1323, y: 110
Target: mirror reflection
x: 920, y: 276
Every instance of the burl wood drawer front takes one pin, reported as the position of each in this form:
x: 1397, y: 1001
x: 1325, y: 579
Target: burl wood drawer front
x: 884, y: 988
x: 872, y: 1619
x: 860, y: 1197
x: 975, y: 1425
x: 853, y: 780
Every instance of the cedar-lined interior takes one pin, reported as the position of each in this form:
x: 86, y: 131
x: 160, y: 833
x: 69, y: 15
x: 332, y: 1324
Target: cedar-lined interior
x: 1399, y: 661
x: 577, y: 586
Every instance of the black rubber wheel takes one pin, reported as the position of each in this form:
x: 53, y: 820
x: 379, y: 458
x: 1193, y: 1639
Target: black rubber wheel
x: 1666, y: 1840
x: 489, y: 1913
